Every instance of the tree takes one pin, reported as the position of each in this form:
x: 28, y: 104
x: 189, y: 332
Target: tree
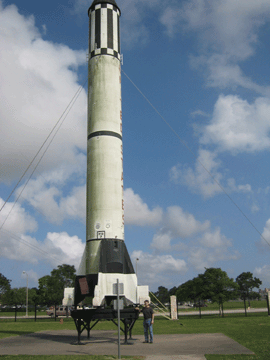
x: 192, y: 290
x: 43, y: 289
x: 51, y: 287
x: 66, y: 274
x: 33, y: 297
x: 162, y: 294
x: 246, y: 284
x: 4, y: 285
x: 15, y: 296
x: 218, y: 286
x: 172, y: 291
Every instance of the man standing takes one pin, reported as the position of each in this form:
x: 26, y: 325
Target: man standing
x: 148, y: 322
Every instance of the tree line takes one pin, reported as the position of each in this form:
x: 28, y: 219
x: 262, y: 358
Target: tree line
x: 214, y: 285
x: 50, y: 289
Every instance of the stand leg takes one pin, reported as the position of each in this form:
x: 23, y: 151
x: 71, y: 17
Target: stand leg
x: 79, y: 331
x: 126, y: 331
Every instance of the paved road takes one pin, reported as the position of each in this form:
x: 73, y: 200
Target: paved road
x: 213, y: 312
x: 171, y: 347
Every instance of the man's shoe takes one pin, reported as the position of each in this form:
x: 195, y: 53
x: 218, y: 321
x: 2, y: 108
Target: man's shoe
x: 150, y: 342
x: 145, y: 342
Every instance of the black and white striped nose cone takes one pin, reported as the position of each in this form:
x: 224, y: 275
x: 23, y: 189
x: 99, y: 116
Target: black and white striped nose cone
x: 96, y: 2
x: 104, y: 31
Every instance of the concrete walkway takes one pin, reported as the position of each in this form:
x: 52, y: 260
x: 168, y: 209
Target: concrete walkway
x: 171, y: 347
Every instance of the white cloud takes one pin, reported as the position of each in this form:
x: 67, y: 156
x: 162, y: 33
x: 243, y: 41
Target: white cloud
x: 46, y: 196
x: 161, y: 242
x: 215, y: 240
x: 227, y: 33
x: 212, y: 248
x: 227, y: 26
x: 263, y: 273
x: 204, y: 250
x: 176, y: 223
x: 238, y: 126
x: 138, y: 213
x: 221, y: 72
x: 264, y: 243
x: 238, y: 188
x: 16, y: 244
x: 199, y: 179
x: 19, y: 221
x: 13, y: 234
x: 69, y: 249
x: 81, y: 6
x: 38, y: 80
x: 199, y: 113
x: 20, y: 247
x: 170, y: 19
x: 154, y: 270
x: 182, y: 224
x: 32, y: 275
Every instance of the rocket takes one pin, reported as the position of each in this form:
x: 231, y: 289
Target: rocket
x: 105, y: 257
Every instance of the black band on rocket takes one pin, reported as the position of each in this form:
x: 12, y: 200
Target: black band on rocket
x: 105, y: 51
x: 106, y: 133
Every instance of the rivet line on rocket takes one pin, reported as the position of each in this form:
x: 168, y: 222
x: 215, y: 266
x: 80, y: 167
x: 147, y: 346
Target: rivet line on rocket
x: 194, y: 155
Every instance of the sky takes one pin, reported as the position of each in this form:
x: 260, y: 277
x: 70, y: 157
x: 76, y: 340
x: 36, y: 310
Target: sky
x: 196, y: 143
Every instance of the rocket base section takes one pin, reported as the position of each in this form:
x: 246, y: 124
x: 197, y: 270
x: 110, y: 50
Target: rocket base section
x: 111, y: 262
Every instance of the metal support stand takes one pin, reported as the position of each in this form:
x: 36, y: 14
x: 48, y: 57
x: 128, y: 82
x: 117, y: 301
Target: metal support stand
x: 82, y: 325
x: 83, y: 318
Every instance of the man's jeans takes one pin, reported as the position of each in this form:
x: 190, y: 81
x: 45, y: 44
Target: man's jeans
x: 147, y: 325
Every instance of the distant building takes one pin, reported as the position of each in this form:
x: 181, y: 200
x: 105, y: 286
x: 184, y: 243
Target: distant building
x: 264, y: 292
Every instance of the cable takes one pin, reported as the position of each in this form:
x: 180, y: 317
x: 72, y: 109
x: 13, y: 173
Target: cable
x: 209, y: 173
x: 26, y: 243
x: 47, y: 138
x: 63, y: 117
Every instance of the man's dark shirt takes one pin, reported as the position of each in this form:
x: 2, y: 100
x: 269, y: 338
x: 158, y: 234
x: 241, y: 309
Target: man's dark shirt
x: 147, y: 312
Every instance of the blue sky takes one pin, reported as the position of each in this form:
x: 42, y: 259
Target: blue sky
x: 204, y: 65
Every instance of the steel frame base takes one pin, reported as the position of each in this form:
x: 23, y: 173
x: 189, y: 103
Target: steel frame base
x: 83, y: 317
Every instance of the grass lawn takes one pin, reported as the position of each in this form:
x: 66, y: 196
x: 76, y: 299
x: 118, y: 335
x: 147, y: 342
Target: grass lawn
x: 22, y: 313
x: 252, y: 332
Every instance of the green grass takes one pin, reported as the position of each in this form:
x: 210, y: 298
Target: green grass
x: 22, y: 313
x: 252, y: 332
